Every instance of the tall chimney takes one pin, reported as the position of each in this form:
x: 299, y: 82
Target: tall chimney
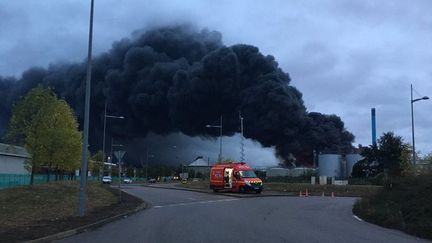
x: 373, y: 126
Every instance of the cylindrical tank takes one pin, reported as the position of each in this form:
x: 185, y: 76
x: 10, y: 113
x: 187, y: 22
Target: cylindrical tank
x: 329, y: 165
x: 351, y: 159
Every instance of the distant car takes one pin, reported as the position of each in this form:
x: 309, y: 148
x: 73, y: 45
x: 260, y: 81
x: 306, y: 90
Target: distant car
x: 127, y: 180
x: 106, y: 180
x: 152, y: 180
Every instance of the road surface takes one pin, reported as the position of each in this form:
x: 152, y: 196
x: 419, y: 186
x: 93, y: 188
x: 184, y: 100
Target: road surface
x: 184, y: 216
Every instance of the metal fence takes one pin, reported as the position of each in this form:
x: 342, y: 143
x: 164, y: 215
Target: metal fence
x: 15, y: 180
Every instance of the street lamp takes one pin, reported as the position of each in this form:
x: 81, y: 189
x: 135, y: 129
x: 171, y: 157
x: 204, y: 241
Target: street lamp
x: 84, y: 162
x: 220, y: 126
x: 104, y: 129
x: 147, y: 164
x: 111, y: 153
x: 412, y: 125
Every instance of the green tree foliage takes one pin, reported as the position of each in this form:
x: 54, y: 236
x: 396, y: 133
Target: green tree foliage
x: 394, y: 154
x: 47, y: 128
x: 96, y: 163
x: 391, y: 155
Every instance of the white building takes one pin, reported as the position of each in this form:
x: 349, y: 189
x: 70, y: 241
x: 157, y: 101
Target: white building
x: 199, y: 165
x: 12, y: 159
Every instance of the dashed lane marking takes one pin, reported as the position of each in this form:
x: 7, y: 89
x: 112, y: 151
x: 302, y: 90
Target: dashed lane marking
x: 193, y: 203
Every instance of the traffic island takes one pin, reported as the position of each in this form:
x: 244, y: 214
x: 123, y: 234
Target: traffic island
x: 51, y: 210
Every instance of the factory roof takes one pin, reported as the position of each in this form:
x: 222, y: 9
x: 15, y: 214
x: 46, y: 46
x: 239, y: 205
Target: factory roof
x: 12, y: 150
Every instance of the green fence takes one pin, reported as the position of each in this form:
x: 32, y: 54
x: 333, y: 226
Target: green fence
x: 14, y: 180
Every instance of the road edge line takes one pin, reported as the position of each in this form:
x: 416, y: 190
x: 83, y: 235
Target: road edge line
x: 358, y: 218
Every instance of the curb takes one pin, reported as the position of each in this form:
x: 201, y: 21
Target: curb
x: 84, y: 228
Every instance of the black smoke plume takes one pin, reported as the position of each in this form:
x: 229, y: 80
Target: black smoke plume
x: 178, y: 79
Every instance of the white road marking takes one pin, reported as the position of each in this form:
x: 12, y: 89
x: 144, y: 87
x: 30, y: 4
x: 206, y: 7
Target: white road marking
x: 356, y: 217
x: 191, y: 198
x: 192, y: 203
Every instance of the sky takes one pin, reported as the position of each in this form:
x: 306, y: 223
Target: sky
x: 344, y: 56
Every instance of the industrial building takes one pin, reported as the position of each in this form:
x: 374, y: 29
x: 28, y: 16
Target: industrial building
x: 12, y: 159
x: 200, y: 166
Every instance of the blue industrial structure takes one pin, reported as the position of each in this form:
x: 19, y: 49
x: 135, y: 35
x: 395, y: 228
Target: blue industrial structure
x: 373, y: 126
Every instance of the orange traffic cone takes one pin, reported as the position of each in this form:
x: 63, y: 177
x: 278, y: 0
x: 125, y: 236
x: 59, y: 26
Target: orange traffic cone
x: 332, y: 194
x: 300, y: 194
x: 306, y: 193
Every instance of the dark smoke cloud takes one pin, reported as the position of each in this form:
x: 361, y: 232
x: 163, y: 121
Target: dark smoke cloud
x: 178, y: 79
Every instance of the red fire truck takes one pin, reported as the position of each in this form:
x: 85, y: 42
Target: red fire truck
x: 235, y: 177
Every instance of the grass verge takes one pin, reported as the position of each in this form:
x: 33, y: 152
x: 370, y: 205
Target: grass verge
x: 317, y: 190
x: 403, y: 204
x: 33, y: 212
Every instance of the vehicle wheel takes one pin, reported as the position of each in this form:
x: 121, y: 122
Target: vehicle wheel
x: 258, y: 191
x: 215, y: 190
x: 242, y: 190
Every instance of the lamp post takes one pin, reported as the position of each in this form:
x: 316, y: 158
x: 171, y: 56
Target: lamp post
x: 220, y: 126
x: 412, y: 125
x: 147, y: 164
x: 83, y: 178
x: 242, y: 154
x: 111, y: 154
x: 104, y: 128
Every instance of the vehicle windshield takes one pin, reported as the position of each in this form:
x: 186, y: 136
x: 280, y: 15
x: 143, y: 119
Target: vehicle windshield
x: 247, y: 174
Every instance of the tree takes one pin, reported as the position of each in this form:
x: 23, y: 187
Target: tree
x: 96, y: 163
x: 394, y: 154
x: 391, y: 155
x: 59, y: 140
x: 47, y: 128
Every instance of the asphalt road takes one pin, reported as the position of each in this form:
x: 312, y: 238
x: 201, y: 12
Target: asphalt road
x: 184, y: 216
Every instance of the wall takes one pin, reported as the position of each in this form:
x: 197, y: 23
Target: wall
x: 10, y: 164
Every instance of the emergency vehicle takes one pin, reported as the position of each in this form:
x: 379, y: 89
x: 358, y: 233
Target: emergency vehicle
x: 235, y: 177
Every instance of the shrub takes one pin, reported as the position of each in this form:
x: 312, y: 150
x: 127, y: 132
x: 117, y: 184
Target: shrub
x: 404, y: 204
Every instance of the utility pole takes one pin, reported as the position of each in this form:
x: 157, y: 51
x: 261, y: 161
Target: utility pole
x: 412, y: 125
x: 220, y: 126
x: 412, y: 131
x: 83, y: 178
x: 147, y: 161
x: 119, y: 176
x: 104, y: 130
x: 220, y: 146
x: 242, y: 154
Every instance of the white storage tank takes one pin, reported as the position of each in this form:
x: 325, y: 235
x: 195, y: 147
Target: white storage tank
x: 351, y: 159
x: 329, y: 165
